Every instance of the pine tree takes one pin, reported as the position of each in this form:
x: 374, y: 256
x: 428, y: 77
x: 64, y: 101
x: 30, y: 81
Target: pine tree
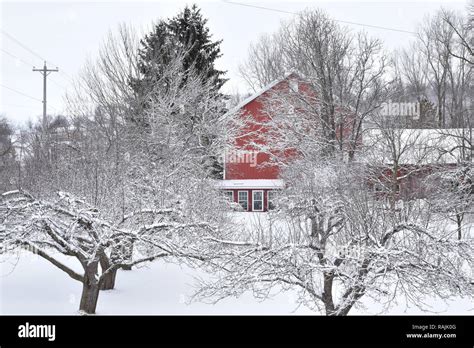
x: 185, y: 33
x: 189, y: 27
x: 187, y: 37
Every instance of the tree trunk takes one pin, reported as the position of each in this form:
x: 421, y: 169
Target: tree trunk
x: 90, y: 287
x: 344, y: 311
x: 128, y: 252
x: 332, y: 310
x: 327, y: 293
x: 459, y: 218
x: 107, y: 281
x: 355, y: 293
x: 89, y: 297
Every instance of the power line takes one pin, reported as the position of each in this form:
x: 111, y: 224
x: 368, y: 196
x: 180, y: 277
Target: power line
x: 45, y: 73
x: 336, y: 20
x: 18, y: 42
x: 18, y: 106
x: 65, y: 76
x: 29, y: 65
x: 57, y: 84
x: 23, y: 94
x: 16, y: 57
x: 26, y: 95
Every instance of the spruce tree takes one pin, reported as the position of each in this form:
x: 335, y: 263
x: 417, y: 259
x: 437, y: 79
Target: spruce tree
x: 190, y: 30
x: 185, y: 35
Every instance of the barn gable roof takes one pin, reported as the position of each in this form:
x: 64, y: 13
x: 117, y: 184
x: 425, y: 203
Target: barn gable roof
x: 259, y: 93
x: 419, y: 146
x: 251, y: 184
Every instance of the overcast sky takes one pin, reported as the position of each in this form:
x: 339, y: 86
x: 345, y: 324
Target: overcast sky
x: 66, y: 33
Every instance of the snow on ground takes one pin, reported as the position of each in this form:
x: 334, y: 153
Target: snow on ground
x: 30, y: 285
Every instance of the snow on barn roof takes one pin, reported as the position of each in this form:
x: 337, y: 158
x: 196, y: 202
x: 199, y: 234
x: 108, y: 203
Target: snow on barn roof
x: 259, y: 93
x: 416, y: 146
x: 251, y: 184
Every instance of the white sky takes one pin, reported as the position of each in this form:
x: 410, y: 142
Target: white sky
x: 68, y: 32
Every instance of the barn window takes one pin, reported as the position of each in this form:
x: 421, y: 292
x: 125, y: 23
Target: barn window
x: 229, y: 195
x: 271, y: 195
x: 257, y: 200
x: 244, y: 199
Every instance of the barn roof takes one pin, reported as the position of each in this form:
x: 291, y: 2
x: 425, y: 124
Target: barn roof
x: 251, y: 184
x: 418, y: 146
x: 259, y: 93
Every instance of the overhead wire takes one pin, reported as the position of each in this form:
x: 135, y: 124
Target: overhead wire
x: 336, y: 20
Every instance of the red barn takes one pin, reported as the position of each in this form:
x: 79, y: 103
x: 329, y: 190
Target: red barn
x: 250, y: 176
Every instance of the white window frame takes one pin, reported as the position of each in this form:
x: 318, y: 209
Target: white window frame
x: 238, y: 198
x: 253, y: 200
x: 226, y: 192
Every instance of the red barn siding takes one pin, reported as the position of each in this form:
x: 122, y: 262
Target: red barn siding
x: 254, y: 132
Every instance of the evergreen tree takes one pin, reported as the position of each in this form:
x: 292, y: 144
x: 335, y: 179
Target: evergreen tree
x: 185, y: 34
x: 184, y: 38
x: 190, y: 30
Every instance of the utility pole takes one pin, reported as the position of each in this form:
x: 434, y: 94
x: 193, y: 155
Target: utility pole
x: 45, y: 72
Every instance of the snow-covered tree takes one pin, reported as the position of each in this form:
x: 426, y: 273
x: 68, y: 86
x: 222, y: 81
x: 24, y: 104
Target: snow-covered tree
x: 398, y: 159
x: 188, y: 33
x: 336, y: 242
x: 100, y: 106
x: 136, y: 165
x: 464, y: 34
x: 8, y: 157
x: 186, y: 36
x: 68, y: 226
x: 126, y: 171
x: 437, y: 68
x: 452, y: 195
x: 265, y: 62
x: 345, y: 71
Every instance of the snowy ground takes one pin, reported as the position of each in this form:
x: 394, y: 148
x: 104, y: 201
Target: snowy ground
x: 33, y: 286
x: 30, y: 285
